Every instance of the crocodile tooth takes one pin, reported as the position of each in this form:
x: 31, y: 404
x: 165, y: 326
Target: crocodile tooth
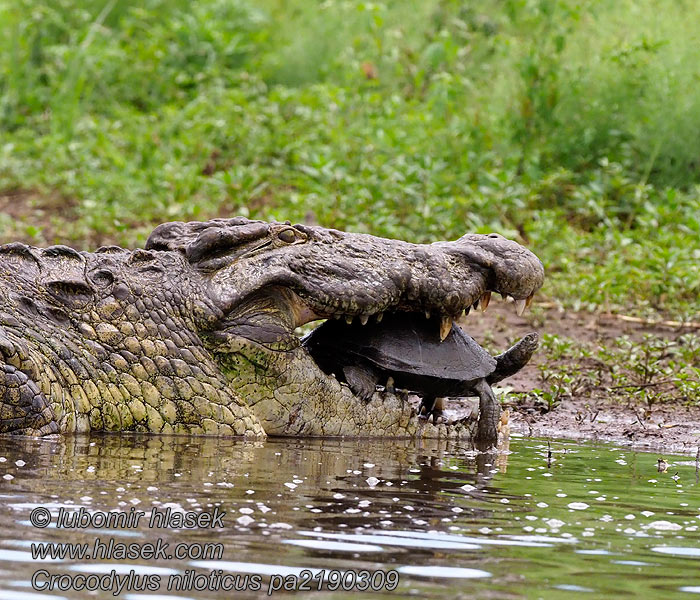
x: 475, y: 305
x: 529, y: 300
x: 427, y: 314
x: 364, y: 319
x: 380, y: 316
x: 445, y: 327
x: 348, y: 319
x: 467, y: 311
x: 485, y: 299
x: 520, y: 306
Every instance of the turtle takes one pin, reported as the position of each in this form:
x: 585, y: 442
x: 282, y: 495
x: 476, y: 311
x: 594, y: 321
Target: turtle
x: 405, y: 350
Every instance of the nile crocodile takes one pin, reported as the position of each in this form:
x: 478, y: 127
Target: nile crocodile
x: 195, y: 333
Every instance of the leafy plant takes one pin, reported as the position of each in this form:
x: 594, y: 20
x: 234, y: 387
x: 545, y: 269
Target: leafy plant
x: 569, y: 126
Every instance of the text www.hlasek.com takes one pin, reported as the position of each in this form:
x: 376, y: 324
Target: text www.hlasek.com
x: 109, y: 549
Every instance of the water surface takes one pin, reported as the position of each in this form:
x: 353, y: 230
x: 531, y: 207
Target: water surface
x: 580, y: 521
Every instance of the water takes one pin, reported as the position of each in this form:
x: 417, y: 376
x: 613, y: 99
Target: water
x: 434, y: 519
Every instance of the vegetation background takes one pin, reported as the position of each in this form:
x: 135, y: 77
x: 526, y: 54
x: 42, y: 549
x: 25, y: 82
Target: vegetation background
x: 570, y: 125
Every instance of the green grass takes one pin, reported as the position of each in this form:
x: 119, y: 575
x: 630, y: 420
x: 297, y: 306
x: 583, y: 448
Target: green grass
x: 572, y: 126
x: 646, y: 372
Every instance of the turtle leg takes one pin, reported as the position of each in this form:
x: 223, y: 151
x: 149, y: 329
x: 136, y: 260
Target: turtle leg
x: 362, y: 381
x: 390, y: 385
x: 431, y: 406
x: 426, y: 407
x: 438, y: 408
x: 489, y: 415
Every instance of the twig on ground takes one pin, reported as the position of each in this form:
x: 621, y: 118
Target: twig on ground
x: 641, y: 385
x: 657, y: 323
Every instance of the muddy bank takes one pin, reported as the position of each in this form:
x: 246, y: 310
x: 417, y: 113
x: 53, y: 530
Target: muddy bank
x: 597, y: 411
x: 665, y: 428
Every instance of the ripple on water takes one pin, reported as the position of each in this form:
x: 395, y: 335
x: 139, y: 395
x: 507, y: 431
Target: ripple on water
x: 390, y: 540
x: 334, y: 546
x: 123, y: 569
x: 678, y: 551
x: 19, y: 595
x: 545, y: 539
x: 443, y: 572
x: 663, y: 526
x: 444, y: 520
x: 463, y: 540
x: 19, y: 556
x: 572, y: 588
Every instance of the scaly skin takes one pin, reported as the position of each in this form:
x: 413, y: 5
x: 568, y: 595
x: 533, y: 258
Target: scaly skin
x: 108, y: 342
x: 293, y: 397
x: 195, y: 334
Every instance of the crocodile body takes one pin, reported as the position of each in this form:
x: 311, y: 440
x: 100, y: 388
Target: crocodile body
x: 195, y: 333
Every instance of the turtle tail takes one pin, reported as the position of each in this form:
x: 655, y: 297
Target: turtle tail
x: 515, y: 358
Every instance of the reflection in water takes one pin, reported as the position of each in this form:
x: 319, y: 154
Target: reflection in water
x: 448, y: 520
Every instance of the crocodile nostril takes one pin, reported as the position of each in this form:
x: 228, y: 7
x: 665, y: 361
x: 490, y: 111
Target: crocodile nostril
x: 494, y: 235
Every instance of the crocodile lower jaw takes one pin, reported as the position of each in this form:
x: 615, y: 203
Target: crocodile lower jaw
x: 292, y: 395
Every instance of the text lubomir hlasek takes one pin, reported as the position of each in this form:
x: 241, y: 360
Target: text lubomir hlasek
x: 131, y: 519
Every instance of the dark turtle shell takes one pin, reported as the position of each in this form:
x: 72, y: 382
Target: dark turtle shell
x: 403, y: 343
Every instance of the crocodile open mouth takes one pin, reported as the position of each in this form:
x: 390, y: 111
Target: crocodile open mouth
x: 443, y: 322
x: 408, y: 351
x: 410, y: 343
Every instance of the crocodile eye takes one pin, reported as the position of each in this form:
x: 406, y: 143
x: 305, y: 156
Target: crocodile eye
x: 287, y: 236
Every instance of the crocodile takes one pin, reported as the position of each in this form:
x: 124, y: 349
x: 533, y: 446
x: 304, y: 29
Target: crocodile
x: 195, y: 332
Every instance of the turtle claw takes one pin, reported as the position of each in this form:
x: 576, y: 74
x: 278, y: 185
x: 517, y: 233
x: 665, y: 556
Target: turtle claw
x: 425, y: 409
x: 438, y: 416
x: 431, y: 407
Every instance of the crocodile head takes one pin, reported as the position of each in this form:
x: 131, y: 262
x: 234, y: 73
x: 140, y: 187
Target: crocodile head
x: 263, y: 280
